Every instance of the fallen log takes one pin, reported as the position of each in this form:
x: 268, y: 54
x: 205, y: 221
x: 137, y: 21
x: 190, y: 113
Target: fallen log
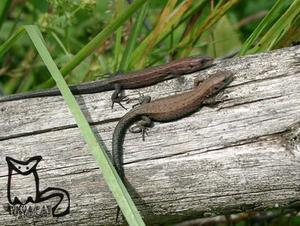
x: 241, y: 155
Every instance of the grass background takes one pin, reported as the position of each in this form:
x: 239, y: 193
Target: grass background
x: 156, y: 32
x: 90, y: 39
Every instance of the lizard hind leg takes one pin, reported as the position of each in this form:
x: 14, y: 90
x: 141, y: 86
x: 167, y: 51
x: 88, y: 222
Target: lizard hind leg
x: 142, y: 126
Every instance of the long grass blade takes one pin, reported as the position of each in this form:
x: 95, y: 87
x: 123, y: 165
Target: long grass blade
x: 164, y: 25
x: 132, y: 40
x: 190, y: 40
x: 8, y: 43
x: 109, y: 173
x: 276, y: 32
x: 268, y: 20
x: 4, y: 6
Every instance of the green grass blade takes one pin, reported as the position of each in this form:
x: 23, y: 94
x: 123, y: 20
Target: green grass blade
x: 8, y: 43
x: 97, y: 41
x: 195, y: 8
x: 278, y: 29
x: 109, y: 173
x: 223, y: 38
x: 190, y: 40
x: 168, y: 19
x: 119, y: 5
x: 60, y: 44
x: 132, y: 40
x: 117, y: 49
x: 267, y: 21
x: 292, y: 36
x: 4, y: 6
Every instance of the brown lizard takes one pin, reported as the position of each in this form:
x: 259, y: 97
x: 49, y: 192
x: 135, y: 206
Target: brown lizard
x: 165, y: 110
x: 131, y: 80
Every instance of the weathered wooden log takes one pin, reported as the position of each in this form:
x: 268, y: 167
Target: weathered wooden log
x: 242, y: 155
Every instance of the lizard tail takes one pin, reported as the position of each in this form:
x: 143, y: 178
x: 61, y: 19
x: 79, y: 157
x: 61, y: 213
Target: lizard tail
x: 118, y: 140
x: 91, y: 87
x: 19, y: 96
x: 117, y: 145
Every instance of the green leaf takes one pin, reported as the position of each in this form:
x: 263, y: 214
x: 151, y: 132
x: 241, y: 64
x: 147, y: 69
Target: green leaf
x: 108, y: 171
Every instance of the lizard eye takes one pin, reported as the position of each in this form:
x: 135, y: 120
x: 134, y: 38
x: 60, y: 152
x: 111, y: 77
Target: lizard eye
x: 217, y: 88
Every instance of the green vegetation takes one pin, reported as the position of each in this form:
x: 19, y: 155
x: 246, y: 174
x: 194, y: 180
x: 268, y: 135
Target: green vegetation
x: 89, y: 39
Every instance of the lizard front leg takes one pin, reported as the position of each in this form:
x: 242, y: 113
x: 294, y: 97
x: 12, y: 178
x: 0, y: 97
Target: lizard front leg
x: 118, y: 96
x: 143, y: 99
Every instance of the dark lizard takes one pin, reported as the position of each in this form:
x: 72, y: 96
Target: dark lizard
x: 131, y: 80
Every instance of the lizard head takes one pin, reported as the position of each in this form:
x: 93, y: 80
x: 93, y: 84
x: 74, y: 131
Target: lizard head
x: 217, y: 81
x: 193, y: 64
